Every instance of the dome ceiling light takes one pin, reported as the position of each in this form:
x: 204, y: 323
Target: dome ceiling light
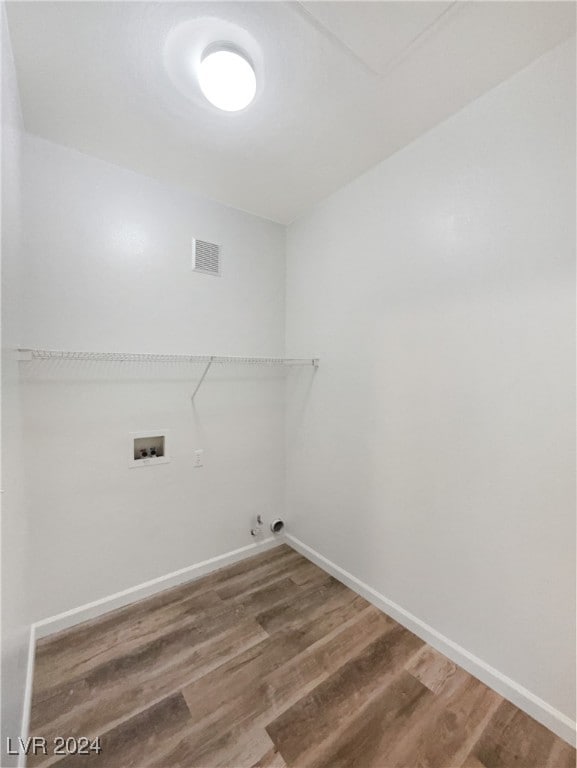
x: 226, y: 77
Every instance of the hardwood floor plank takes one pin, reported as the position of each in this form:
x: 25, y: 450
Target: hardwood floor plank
x: 562, y: 755
x: 446, y: 735
x: 514, y: 738
x: 320, y: 617
x: 230, y: 752
x: 263, y: 576
x: 73, y: 656
x: 374, y: 727
x: 331, y: 606
x: 437, y: 672
x: 308, y: 573
x: 260, y: 699
x: 301, y: 674
x: 272, y: 759
x: 311, y: 720
x: 143, y: 741
x: 267, y: 597
x: 406, y: 726
x: 213, y: 694
x: 472, y: 762
x: 313, y: 601
x: 194, y: 628
x: 120, y: 689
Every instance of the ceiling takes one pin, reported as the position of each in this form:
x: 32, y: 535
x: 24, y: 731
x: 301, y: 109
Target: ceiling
x: 342, y: 85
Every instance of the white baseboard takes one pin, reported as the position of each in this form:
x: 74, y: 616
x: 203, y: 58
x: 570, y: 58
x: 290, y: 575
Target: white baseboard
x: 534, y: 706
x: 118, y: 600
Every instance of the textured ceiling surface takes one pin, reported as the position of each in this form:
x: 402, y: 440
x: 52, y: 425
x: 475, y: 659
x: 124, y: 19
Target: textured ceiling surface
x: 342, y: 85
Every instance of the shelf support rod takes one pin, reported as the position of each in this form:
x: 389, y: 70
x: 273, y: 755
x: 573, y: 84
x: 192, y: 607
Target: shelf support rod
x: 206, y: 369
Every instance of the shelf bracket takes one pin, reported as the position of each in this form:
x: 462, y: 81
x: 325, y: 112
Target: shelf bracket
x: 206, y: 369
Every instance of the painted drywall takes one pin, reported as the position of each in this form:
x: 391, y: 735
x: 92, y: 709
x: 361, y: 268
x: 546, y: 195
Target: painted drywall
x: 15, y: 622
x: 107, y: 260
x: 433, y: 456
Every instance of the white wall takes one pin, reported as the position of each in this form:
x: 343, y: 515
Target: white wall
x: 107, y: 258
x: 431, y: 453
x: 15, y: 623
x: 433, y: 457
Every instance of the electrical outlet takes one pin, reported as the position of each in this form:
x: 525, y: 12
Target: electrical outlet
x: 198, y: 459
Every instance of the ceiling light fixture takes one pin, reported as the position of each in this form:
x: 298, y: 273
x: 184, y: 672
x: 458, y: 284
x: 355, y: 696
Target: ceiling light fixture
x: 227, y: 78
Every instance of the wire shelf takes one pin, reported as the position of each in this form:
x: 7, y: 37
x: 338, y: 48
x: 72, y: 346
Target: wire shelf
x: 146, y: 357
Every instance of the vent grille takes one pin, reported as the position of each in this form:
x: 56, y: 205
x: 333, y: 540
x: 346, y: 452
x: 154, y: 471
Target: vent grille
x: 205, y: 257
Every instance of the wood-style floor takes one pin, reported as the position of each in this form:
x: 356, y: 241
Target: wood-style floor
x: 271, y: 663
